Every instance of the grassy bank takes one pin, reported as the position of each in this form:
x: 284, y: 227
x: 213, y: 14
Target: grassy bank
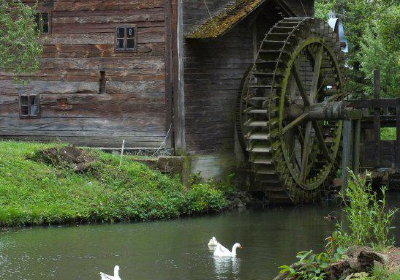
x: 35, y: 190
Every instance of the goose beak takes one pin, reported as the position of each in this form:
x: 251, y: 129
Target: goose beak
x: 240, y: 247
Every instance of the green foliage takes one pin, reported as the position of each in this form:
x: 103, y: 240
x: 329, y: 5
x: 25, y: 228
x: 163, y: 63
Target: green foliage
x: 367, y: 221
x: 380, y: 49
x: 358, y: 276
x: 311, y: 266
x: 378, y: 273
x: 204, y: 198
x: 383, y: 273
x: 20, y: 44
x: 371, y: 28
x: 35, y: 193
x: 388, y: 133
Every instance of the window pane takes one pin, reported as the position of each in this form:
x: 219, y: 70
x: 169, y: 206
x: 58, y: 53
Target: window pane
x: 120, y: 32
x: 37, y: 20
x: 24, y: 100
x: 34, y: 110
x: 24, y: 110
x: 32, y: 100
x: 130, y: 44
x: 131, y: 32
x: 120, y: 44
x: 45, y: 28
x: 45, y: 17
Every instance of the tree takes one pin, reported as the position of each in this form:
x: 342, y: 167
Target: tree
x: 20, y: 42
x: 371, y: 28
x: 380, y: 49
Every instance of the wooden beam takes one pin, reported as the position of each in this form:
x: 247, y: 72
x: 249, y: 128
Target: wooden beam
x: 169, y: 73
x: 316, y: 74
x: 306, y: 153
x: 346, y: 153
x: 374, y: 103
x: 356, y: 146
x: 377, y: 119
x: 294, y: 123
x: 300, y: 85
x: 179, y: 92
x: 321, y: 141
x: 398, y: 137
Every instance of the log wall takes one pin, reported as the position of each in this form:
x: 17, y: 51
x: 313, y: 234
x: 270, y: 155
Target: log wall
x: 213, y: 73
x: 81, y: 44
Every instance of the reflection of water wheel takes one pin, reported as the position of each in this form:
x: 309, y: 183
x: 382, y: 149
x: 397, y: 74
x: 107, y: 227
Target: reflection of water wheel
x: 292, y: 90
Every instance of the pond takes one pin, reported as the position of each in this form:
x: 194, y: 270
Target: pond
x: 169, y: 249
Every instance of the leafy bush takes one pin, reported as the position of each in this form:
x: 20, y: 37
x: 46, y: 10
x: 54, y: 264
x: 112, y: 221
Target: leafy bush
x: 202, y: 198
x: 311, y: 266
x: 20, y: 44
x: 367, y: 222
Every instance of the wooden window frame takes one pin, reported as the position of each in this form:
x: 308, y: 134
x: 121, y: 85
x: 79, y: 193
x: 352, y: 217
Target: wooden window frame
x: 49, y: 18
x: 29, y: 116
x: 125, y: 49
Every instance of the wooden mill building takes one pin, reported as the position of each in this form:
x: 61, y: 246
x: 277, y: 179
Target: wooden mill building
x: 153, y: 73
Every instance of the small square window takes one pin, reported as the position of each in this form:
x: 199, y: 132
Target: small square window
x: 43, y: 22
x: 29, y: 106
x: 126, y: 38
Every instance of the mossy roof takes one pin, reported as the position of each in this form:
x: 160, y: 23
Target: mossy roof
x: 225, y: 20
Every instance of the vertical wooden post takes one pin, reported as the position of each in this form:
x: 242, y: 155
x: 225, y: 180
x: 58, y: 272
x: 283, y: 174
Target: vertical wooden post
x: 377, y: 119
x: 398, y: 135
x: 356, y: 146
x: 170, y: 46
x: 179, y: 93
x: 346, y: 152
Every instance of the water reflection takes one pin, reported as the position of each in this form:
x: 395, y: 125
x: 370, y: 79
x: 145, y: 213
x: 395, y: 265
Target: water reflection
x: 227, y: 267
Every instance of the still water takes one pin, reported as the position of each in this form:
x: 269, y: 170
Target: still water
x: 167, y: 250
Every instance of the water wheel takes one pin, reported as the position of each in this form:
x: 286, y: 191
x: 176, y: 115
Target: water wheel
x: 288, y: 108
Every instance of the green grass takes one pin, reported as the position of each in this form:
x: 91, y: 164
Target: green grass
x: 35, y: 193
x: 382, y: 273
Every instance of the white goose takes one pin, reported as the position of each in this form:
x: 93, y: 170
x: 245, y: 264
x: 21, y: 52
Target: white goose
x: 221, y: 251
x: 213, y: 242
x: 108, y: 277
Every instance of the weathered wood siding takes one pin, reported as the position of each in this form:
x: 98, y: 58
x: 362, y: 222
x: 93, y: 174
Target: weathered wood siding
x: 302, y: 8
x: 387, y: 155
x: 213, y: 74
x: 81, y: 44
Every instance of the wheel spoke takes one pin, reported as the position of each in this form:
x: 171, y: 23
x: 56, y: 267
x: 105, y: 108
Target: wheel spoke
x: 321, y: 141
x: 301, y: 138
x: 316, y: 74
x: 306, y: 152
x: 300, y: 85
x: 333, y: 97
x: 295, y: 122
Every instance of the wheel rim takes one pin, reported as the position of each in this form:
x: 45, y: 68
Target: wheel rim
x: 298, y: 66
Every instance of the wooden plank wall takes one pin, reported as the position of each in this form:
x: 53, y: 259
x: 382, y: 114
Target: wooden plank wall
x: 81, y: 45
x: 387, y: 155
x: 301, y: 7
x: 213, y: 72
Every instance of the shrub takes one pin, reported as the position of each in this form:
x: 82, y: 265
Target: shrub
x: 367, y: 221
x: 311, y: 266
x: 202, y: 198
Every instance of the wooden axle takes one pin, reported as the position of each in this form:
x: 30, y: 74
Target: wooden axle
x: 321, y: 111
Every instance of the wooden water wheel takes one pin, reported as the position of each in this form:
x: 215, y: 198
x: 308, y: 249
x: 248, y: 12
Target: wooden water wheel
x: 289, y: 110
